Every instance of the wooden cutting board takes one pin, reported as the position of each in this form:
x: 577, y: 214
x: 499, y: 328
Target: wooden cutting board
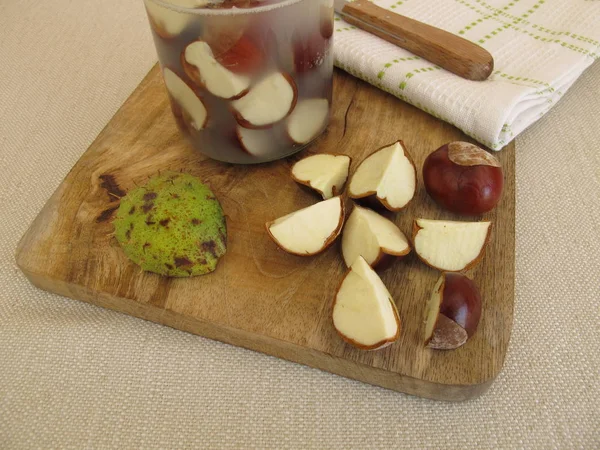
x: 260, y: 297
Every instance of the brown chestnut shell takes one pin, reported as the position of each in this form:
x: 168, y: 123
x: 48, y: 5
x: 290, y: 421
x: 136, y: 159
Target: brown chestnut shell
x: 464, y: 179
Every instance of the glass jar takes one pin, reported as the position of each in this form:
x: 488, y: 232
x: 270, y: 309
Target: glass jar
x: 249, y: 81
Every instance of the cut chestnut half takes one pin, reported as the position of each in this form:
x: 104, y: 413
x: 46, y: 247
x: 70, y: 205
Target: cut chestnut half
x: 377, y: 239
x: 270, y: 100
x: 325, y: 173
x: 450, y: 246
x: 364, y: 313
x: 387, y: 177
x: 311, y: 230
x: 452, y: 313
x: 307, y: 120
x: 259, y: 143
x: 192, y: 107
x: 201, y: 66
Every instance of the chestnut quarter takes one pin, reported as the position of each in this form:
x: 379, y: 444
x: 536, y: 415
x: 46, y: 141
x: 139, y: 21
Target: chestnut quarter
x: 453, y: 312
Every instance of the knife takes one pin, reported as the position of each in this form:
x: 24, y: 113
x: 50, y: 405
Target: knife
x: 450, y: 52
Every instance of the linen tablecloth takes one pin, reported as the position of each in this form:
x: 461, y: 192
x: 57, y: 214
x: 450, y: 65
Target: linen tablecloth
x: 77, y: 376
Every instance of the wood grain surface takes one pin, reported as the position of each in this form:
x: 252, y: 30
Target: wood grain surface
x: 260, y: 297
x: 447, y: 50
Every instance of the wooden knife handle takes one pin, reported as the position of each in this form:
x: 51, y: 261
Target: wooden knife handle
x: 447, y: 50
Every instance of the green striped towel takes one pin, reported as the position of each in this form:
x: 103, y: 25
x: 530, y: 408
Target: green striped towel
x: 540, y: 48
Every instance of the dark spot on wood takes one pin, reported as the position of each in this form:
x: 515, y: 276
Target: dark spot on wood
x: 182, y: 261
x: 196, y: 221
x: 160, y: 295
x: 150, y: 196
x: 149, y: 221
x: 169, y: 266
x: 147, y: 207
x: 106, y: 214
x: 202, y: 262
x: 132, y: 210
x: 128, y: 234
x: 146, y: 245
x: 164, y: 222
x: 112, y: 188
x: 210, y: 247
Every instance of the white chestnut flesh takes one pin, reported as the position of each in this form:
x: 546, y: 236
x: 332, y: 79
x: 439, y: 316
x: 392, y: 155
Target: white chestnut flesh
x: 364, y: 313
x: 186, y: 99
x: 387, y: 177
x: 201, y: 66
x: 450, y: 246
x: 308, y: 119
x: 325, y: 173
x: 311, y: 230
x: 370, y: 235
x: 268, y: 101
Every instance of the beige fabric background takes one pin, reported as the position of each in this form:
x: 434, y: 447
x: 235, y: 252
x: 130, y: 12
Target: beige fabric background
x: 77, y: 376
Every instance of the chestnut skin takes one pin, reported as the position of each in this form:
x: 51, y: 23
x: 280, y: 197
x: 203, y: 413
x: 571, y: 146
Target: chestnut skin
x: 463, y: 178
x: 461, y: 301
x: 447, y: 335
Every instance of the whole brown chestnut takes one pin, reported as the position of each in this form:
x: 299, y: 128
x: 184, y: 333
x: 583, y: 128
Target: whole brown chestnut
x: 463, y: 178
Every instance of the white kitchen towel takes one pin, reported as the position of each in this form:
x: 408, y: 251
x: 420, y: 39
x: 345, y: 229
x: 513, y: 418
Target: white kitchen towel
x: 540, y: 48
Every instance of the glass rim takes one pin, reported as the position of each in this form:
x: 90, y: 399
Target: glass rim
x: 221, y: 12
